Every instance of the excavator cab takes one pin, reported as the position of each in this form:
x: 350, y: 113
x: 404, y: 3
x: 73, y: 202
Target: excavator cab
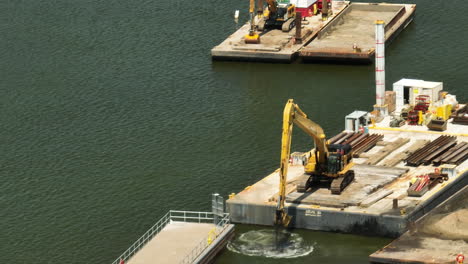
x: 337, y: 159
x: 278, y: 15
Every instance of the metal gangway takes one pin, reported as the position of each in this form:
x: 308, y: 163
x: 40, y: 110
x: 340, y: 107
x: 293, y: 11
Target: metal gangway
x: 200, y: 230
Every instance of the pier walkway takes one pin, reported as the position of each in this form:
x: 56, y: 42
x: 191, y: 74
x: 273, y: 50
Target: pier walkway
x: 182, y: 237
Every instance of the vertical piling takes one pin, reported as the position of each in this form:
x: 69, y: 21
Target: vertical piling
x: 380, y: 67
x: 298, y: 28
x: 217, y: 207
x: 324, y: 9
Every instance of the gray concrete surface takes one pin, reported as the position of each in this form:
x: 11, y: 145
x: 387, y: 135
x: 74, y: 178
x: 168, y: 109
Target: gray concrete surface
x: 357, y: 26
x: 173, y: 243
x: 367, y: 180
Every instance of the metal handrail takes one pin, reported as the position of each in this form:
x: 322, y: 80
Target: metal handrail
x: 204, y: 243
x: 176, y: 216
x: 140, y: 242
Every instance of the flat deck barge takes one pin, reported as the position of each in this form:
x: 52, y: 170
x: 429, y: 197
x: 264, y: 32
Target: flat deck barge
x: 275, y: 45
x: 436, y: 238
x: 376, y: 202
x: 350, y: 36
x: 329, y: 40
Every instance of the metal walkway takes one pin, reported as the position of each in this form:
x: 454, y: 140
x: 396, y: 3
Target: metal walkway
x: 182, y: 237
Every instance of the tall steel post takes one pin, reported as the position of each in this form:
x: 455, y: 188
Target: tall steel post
x: 214, y: 207
x: 298, y: 28
x: 324, y: 9
x: 217, y: 207
x: 380, y: 68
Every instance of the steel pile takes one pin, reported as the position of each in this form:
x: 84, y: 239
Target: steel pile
x: 431, y: 151
x: 359, y: 142
x: 455, y: 155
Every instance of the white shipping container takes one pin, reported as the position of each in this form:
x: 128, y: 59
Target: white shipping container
x: 407, y: 90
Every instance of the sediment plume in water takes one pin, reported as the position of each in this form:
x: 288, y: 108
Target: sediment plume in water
x: 270, y: 244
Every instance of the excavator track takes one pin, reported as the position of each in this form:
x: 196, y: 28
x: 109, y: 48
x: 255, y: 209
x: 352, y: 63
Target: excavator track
x: 340, y: 183
x: 303, y: 183
x: 288, y: 25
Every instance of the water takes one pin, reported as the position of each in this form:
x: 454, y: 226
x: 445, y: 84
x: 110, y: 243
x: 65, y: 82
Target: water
x: 112, y: 113
x: 270, y: 243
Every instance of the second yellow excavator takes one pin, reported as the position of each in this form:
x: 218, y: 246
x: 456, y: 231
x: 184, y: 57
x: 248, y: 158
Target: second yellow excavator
x: 252, y: 37
x: 329, y: 164
x: 278, y: 14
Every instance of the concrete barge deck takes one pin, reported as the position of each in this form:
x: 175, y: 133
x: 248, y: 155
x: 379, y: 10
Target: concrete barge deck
x: 350, y: 36
x: 436, y: 238
x: 329, y: 40
x: 367, y: 205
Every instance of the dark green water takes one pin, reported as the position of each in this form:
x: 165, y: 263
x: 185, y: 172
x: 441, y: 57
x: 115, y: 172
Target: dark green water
x: 112, y: 113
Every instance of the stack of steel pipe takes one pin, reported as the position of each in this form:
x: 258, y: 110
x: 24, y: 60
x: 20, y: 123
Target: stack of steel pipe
x: 359, y: 142
x: 340, y: 137
x: 365, y: 143
x: 455, y: 155
x: 431, y: 151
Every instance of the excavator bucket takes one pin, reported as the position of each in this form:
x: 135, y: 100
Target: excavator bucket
x: 252, y: 39
x: 282, y: 218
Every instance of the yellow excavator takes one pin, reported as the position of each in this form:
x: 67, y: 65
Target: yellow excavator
x: 328, y: 164
x: 278, y: 15
x: 252, y: 37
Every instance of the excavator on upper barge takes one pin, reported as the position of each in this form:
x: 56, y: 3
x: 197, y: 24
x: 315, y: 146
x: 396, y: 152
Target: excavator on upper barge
x: 278, y: 15
x: 329, y: 164
x: 275, y: 15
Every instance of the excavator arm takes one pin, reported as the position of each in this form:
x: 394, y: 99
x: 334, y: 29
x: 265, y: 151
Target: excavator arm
x: 294, y: 115
x: 252, y: 37
x: 272, y: 6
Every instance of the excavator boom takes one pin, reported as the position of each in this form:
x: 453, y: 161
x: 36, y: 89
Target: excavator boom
x: 333, y: 166
x: 293, y: 114
x: 272, y: 5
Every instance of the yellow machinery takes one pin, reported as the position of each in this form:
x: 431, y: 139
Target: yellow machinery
x: 278, y: 15
x: 252, y: 37
x: 328, y: 165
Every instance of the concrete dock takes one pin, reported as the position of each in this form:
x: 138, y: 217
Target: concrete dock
x: 350, y: 36
x: 182, y: 237
x: 329, y: 40
x: 367, y: 205
x: 164, y: 248
x: 436, y: 238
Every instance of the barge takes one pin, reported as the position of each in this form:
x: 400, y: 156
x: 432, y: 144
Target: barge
x: 350, y: 36
x: 386, y: 161
x: 347, y: 34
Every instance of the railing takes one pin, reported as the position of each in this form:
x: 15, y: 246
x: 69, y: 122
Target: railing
x: 205, y: 242
x: 179, y: 216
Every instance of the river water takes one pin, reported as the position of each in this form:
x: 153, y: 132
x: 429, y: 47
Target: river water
x: 112, y: 113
